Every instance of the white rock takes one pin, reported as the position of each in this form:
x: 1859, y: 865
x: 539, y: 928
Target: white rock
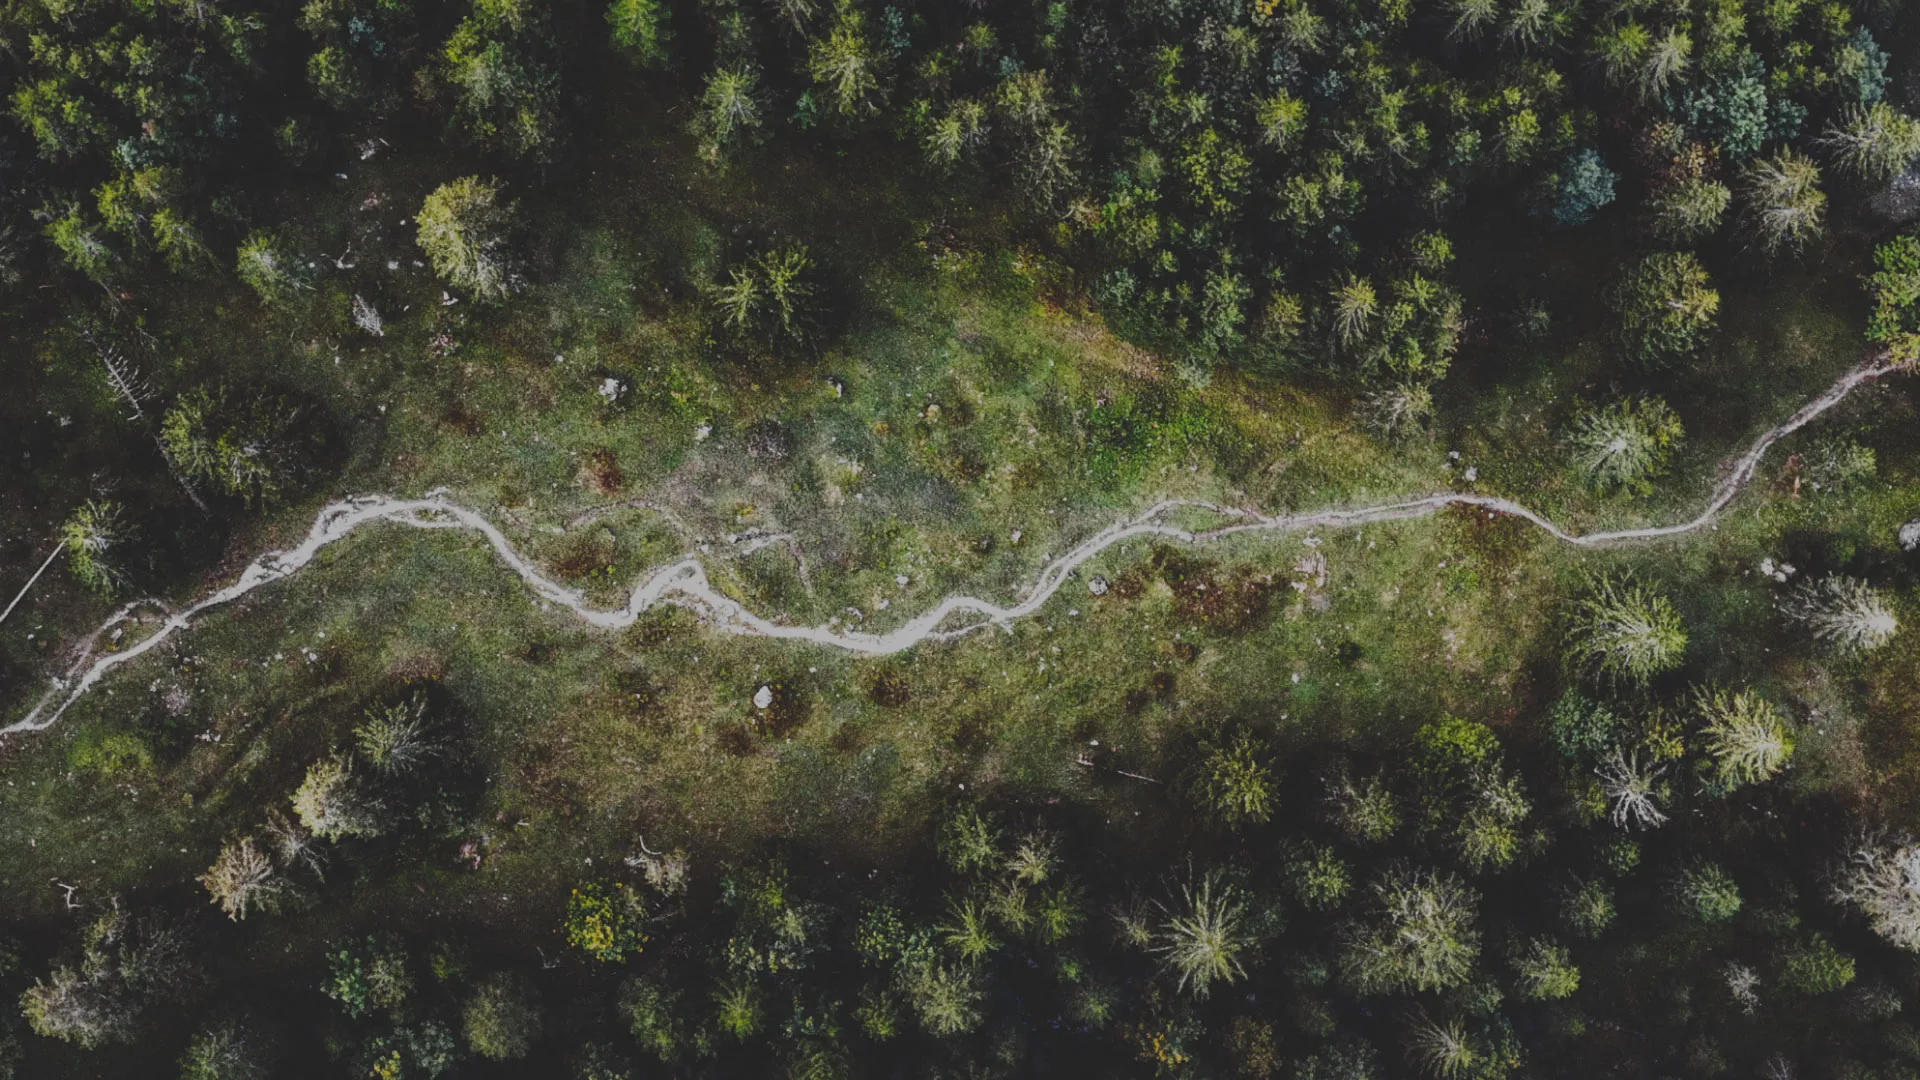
x: 1097, y: 585
x: 763, y: 697
x: 1910, y: 535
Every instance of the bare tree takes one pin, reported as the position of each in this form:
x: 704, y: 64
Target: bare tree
x: 1630, y: 788
x: 1882, y: 878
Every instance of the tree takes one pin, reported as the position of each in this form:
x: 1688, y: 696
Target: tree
x: 640, y: 31
x: 650, y: 1012
x: 77, y: 237
x: 501, y: 1019
x: 728, y: 113
x: 464, y: 228
x: 1706, y: 892
x: 1573, y: 193
x: 1202, y: 938
x: 844, y: 66
x: 251, y: 448
x: 1543, y: 971
x: 90, y: 537
x: 333, y: 803
x: 1881, y: 877
x: 946, y: 999
x: 1666, y: 307
x: 243, y: 878
x: 1419, y: 937
x: 508, y: 93
x: 226, y: 1051
x: 1688, y: 210
x: 1235, y: 783
x: 1587, y: 908
x: 399, y: 738
x: 1364, y: 811
x: 368, y: 975
x: 268, y: 264
x: 1875, y: 143
x: 1785, y: 207
x: 1844, y: 613
x: 1632, y: 790
x: 768, y: 298
x: 1894, y: 288
x: 128, y: 963
x: 1814, y: 966
x: 1626, y: 445
x: 1747, y: 736
x: 1580, y: 728
x: 1623, y: 632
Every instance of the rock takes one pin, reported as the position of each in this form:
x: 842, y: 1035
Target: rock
x: 763, y: 697
x: 1910, y: 535
x: 1097, y: 586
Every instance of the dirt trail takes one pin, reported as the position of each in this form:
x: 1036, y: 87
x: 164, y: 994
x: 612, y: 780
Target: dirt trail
x: 685, y: 582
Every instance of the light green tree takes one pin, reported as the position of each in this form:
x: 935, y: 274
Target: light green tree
x: 91, y: 536
x: 501, y: 1019
x: 1420, y: 935
x: 1746, y: 735
x: 333, y: 804
x: 1626, y: 445
x: 1688, y: 210
x: 1622, y: 631
x: 1204, y: 935
x: 464, y: 227
x: 1785, y: 208
x: 1666, y: 307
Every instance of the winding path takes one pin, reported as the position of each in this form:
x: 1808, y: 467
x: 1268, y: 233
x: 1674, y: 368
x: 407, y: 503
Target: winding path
x: 685, y: 582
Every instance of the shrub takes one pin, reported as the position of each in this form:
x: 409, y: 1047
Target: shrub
x: 768, y: 298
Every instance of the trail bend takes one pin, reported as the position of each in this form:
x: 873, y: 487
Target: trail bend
x: 685, y: 581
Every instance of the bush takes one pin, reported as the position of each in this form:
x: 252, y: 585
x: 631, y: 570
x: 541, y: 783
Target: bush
x: 501, y: 1019
x: 1234, y: 783
x: 368, y: 975
x: 1706, y: 893
x: 1816, y: 967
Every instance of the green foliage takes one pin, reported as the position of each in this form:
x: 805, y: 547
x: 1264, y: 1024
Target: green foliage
x: 1814, y: 966
x: 651, y: 1013
x: 729, y: 113
x: 397, y: 739
x: 1625, y: 446
x: 767, y: 299
x: 1580, y: 728
x: 501, y: 1019
x: 464, y: 228
x: 1543, y: 970
x: 269, y: 265
x: 1785, y: 208
x: 1894, y: 289
x: 1746, y: 736
x: 111, y: 755
x: 226, y: 1051
x: 1707, y: 893
x: 333, y: 803
x: 1419, y: 935
x: 507, y: 91
x: 969, y: 842
x: 78, y: 239
x: 640, y: 32
x: 1624, y: 632
x: 1319, y: 878
x: 252, y: 447
x: 1587, y: 908
x: 1204, y: 935
x: 1235, y: 784
x: 604, y: 920
x: 1666, y: 307
x: 1689, y: 209
x: 367, y: 975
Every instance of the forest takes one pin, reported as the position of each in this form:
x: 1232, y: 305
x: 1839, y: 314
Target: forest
x: 843, y: 539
